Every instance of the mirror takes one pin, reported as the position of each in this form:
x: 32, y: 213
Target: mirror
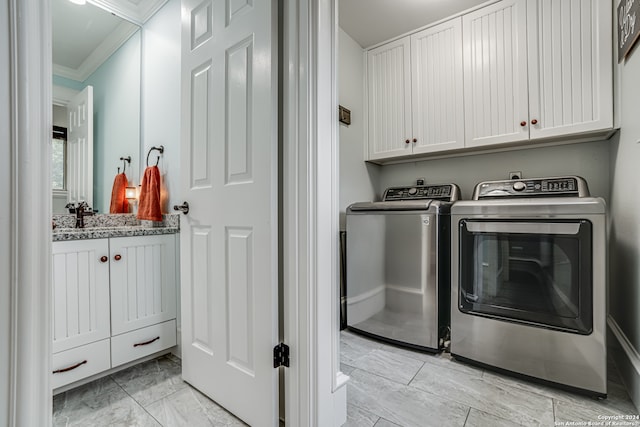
x: 93, y: 47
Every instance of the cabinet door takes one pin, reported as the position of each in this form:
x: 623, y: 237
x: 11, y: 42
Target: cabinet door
x: 80, y: 293
x: 495, y: 74
x: 436, y: 86
x: 389, y: 100
x: 143, y: 281
x: 570, y: 74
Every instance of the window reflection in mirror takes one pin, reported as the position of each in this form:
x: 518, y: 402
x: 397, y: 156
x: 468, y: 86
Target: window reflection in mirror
x: 58, y: 158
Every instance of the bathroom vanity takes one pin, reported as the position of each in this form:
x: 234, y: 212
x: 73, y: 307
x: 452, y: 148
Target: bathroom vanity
x: 114, y: 293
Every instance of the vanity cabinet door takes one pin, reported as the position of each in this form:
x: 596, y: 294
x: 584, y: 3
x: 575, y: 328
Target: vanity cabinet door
x: 80, y: 271
x: 143, y: 281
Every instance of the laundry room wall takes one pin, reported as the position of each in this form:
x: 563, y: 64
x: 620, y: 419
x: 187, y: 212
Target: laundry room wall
x: 624, y: 233
x: 358, y: 180
x: 588, y: 160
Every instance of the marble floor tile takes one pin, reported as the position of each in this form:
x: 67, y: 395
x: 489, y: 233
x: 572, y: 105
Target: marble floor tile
x: 189, y: 407
x: 384, y: 423
x: 357, y: 417
x: 100, y: 405
x: 403, y: 405
x: 617, y: 401
x: 353, y: 346
x: 498, y: 399
x: 151, y: 381
x: 482, y: 419
x: 346, y: 369
x: 440, y: 360
x: 392, y: 366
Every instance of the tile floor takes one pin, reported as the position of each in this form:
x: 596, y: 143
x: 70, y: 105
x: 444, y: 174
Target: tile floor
x: 149, y: 394
x: 392, y: 386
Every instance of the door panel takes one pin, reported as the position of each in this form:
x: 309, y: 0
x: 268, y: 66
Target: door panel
x: 569, y: 66
x: 80, y: 147
x: 389, y: 83
x: 229, y: 237
x: 436, y: 86
x: 495, y: 74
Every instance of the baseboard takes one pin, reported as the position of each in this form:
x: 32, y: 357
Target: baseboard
x: 627, y: 360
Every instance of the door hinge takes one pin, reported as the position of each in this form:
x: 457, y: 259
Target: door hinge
x: 281, y: 355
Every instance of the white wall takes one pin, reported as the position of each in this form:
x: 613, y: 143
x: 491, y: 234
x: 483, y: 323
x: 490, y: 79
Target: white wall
x: 5, y: 214
x: 357, y: 179
x: 624, y: 235
x: 161, y: 95
x: 589, y: 160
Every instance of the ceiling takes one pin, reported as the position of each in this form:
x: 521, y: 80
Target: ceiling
x: 370, y: 22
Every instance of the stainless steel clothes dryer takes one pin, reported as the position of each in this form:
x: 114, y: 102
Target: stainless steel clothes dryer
x: 397, y: 284
x: 528, y: 281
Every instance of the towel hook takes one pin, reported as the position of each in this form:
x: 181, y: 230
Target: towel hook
x: 125, y: 160
x: 160, y: 149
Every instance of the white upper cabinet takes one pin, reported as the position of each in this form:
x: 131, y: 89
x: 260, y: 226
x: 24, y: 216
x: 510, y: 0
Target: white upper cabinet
x: 537, y: 69
x: 415, y: 93
x: 389, y: 92
x: 570, y: 72
x: 495, y: 74
x: 436, y: 88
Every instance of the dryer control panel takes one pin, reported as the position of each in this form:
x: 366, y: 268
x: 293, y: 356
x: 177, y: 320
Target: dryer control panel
x: 571, y: 186
x: 442, y: 192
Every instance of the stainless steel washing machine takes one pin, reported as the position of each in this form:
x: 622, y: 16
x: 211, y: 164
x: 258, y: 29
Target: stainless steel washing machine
x: 528, y: 281
x: 397, y: 286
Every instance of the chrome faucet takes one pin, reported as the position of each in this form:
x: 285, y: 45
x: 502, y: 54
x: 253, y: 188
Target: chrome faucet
x: 82, y: 210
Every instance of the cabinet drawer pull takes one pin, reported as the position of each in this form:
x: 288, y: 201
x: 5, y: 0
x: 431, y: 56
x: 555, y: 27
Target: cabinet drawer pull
x: 534, y: 122
x: 70, y: 368
x: 523, y: 123
x: 104, y: 258
x: 146, y: 342
x: 117, y: 257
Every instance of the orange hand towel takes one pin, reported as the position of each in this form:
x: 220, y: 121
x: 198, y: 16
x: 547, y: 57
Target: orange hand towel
x: 119, y: 202
x: 149, y: 207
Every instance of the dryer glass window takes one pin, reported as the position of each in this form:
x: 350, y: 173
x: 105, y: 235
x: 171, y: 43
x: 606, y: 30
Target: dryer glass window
x: 533, y: 272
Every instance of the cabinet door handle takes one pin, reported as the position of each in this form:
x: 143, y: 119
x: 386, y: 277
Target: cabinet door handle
x: 406, y: 141
x: 415, y: 139
x: 523, y: 123
x: 104, y: 258
x: 70, y: 368
x: 117, y: 257
x: 534, y: 122
x: 146, y: 342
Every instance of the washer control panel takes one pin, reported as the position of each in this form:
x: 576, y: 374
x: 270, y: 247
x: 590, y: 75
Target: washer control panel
x: 571, y: 186
x: 443, y: 192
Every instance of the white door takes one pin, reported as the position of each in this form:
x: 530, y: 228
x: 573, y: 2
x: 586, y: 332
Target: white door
x: 436, y: 87
x: 229, y: 238
x: 570, y: 74
x: 495, y: 74
x: 80, y: 147
x: 389, y: 100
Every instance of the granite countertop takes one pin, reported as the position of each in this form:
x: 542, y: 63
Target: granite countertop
x: 102, y: 226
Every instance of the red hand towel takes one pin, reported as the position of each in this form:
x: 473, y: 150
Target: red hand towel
x: 149, y: 207
x: 119, y: 202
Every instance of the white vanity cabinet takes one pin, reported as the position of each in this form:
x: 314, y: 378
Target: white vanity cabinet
x: 80, y: 312
x: 114, y: 302
x: 537, y: 69
x: 143, y: 295
x: 415, y: 88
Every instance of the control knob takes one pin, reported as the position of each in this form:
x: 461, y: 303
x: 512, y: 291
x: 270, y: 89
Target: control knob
x: 519, y: 186
x: 413, y: 191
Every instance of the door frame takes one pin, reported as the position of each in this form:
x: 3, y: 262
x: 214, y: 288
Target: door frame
x: 315, y: 392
